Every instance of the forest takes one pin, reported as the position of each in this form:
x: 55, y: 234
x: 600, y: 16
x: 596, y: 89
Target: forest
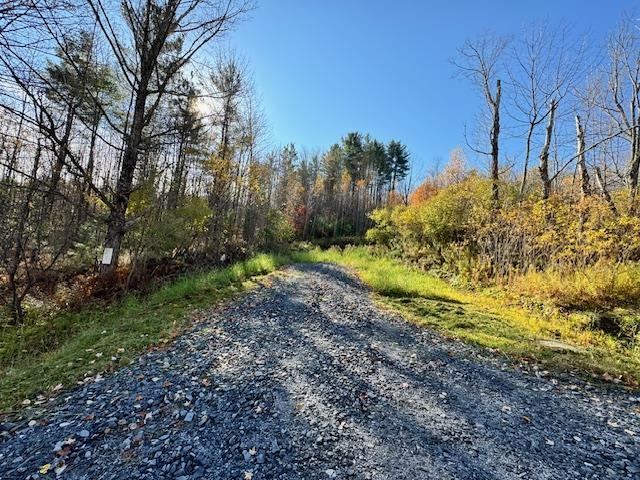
x: 212, y: 272
x: 138, y: 130
x: 555, y: 225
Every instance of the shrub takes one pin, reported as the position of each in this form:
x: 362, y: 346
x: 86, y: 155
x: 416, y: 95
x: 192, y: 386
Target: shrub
x: 277, y: 231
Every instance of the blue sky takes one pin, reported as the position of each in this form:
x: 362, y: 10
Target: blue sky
x: 327, y: 67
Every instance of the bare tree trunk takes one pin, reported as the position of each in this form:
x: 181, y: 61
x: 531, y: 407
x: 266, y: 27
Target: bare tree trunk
x: 602, y: 186
x: 177, y: 179
x: 18, y: 247
x: 544, y: 154
x: 86, y: 187
x: 634, y: 168
x: 585, y: 187
x: 61, y: 156
x: 527, y: 155
x: 495, y: 133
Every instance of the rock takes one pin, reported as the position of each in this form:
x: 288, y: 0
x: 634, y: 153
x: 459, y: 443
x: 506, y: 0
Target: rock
x: 84, y: 433
x: 559, y: 346
x: 189, y: 416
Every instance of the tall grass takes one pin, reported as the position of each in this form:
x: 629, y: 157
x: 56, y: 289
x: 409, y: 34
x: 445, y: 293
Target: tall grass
x: 601, y: 286
x: 68, y: 347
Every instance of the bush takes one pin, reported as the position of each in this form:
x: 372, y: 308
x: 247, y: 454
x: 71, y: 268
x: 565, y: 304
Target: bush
x: 578, y: 251
x: 277, y: 231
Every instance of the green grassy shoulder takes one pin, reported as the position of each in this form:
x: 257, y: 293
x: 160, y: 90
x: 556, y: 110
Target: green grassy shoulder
x: 39, y: 359
x: 489, y: 320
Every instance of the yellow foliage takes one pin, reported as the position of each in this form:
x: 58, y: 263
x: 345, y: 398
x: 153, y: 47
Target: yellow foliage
x: 458, y: 232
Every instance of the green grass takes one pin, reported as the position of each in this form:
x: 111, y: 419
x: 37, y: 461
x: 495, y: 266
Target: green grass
x: 486, y: 319
x: 68, y: 347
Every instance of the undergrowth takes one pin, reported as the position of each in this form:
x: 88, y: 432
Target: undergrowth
x: 42, y: 358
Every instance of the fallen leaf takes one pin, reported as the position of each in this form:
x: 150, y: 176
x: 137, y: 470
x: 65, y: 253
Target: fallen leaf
x: 248, y: 475
x: 45, y: 468
x: 64, y: 452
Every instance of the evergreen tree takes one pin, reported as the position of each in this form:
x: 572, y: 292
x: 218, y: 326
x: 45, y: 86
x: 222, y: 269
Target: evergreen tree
x: 397, y: 162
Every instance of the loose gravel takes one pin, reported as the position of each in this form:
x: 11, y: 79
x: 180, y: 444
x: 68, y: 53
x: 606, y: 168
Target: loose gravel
x: 306, y: 378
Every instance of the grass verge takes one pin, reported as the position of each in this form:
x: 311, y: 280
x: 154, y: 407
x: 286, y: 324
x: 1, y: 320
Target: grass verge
x: 38, y: 360
x: 490, y: 320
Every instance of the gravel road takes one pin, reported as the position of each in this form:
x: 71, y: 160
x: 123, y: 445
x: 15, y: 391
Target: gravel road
x: 305, y: 378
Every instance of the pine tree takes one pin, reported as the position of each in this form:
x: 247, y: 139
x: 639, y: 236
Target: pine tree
x: 397, y: 162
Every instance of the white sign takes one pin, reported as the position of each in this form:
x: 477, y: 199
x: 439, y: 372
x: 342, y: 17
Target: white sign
x: 106, y: 256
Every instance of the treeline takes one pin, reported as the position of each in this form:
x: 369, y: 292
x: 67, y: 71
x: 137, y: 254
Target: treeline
x: 556, y: 214
x: 126, y: 129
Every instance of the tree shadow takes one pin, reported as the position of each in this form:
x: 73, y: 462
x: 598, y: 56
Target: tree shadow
x: 353, y: 393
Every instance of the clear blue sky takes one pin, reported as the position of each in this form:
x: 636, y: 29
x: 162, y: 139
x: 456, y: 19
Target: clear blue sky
x: 327, y: 67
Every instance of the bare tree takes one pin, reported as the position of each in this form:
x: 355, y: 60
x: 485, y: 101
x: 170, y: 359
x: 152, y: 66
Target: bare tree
x: 479, y: 61
x: 546, y: 66
x: 544, y: 153
x: 585, y: 187
x: 621, y: 100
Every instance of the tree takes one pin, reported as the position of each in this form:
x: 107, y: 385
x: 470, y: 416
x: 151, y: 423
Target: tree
x: 187, y: 126
x: 352, y: 145
x: 545, y: 69
x: 397, y: 162
x: 585, y: 187
x: 544, y: 153
x: 162, y: 38
x: 84, y: 89
x: 479, y: 61
x: 621, y: 100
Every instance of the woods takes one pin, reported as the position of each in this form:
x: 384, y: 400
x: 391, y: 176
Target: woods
x: 128, y: 127
x: 135, y: 147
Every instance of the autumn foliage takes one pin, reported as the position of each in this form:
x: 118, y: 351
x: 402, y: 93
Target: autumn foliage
x: 456, y: 232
